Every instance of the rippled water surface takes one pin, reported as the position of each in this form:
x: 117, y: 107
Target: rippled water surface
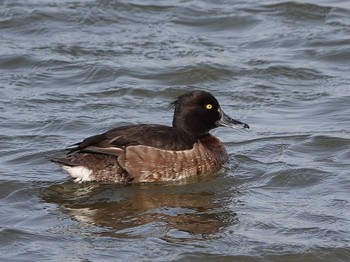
x: 71, y: 69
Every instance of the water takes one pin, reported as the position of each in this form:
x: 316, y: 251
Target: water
x: 71, y: 69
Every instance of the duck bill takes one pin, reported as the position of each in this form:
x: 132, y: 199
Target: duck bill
x: 227, y: 121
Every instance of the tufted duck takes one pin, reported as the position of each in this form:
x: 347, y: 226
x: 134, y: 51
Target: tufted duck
x: 150, y: 153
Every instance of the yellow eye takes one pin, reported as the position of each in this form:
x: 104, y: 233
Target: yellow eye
x: 209, y: 106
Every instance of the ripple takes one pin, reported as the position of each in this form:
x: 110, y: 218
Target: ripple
x: 295, y: 178
x: 211, y: 23
x: 300, y: 11
x: 70, y: 69
x: 338, y: 17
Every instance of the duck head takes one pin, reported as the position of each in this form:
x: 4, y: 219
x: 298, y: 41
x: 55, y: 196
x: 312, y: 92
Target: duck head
x: 198, y: 112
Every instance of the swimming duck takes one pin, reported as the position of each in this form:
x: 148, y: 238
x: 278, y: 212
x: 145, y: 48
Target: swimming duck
x: 150, y: 152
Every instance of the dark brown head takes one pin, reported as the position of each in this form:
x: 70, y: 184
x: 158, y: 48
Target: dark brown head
x: 198, y: 112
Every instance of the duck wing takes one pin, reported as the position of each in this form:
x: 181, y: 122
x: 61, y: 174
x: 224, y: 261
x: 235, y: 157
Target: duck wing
x: 115, y: 141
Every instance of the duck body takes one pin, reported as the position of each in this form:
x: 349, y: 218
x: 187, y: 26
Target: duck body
x: 150, y: 152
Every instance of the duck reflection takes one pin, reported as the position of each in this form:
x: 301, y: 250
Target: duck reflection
x: 192, y: 210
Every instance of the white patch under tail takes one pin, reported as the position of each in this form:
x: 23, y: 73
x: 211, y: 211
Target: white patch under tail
x: 78, y: 173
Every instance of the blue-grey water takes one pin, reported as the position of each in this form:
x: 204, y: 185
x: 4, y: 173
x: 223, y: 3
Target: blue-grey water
x: 71, y: 69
